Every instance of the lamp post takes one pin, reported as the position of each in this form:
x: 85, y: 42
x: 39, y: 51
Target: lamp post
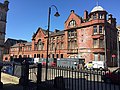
x: 105, y: 46
x: 118, y: 55
x: 56, y: 15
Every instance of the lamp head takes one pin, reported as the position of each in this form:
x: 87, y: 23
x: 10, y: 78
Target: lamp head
x: 57, y: 14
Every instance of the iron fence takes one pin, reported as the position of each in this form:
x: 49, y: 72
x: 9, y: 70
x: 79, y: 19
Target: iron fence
x: 74, y: 79
x: 63, y: 78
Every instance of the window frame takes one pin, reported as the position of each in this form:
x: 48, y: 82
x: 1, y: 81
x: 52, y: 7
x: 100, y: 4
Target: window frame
x: 100, y: 29
x: 72, y: 23
x: 94, y: 16
x: 100, y: 16
x: 95, y: 43
x: 95, y: 29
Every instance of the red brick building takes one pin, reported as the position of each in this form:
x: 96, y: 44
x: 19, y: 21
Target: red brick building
x: 7, y: 46
x: 93, y: 37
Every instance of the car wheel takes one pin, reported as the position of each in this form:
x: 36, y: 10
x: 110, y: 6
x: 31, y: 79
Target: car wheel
x: 107, y: 80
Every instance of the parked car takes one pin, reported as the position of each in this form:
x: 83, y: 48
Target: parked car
x: 7, y: 69
x: 99, y: 65
x: 88, y: 65
x: 96, y: 65
x: 112, y: 77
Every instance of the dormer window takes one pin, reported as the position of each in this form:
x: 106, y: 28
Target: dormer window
x: 40, y: 45
x: 100, y: 16
x: 72, y: 23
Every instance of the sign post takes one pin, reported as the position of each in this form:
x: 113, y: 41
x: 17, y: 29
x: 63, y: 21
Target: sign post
x: 113, y: 56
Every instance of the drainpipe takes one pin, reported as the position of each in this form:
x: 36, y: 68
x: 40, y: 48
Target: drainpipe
x: 105, y: 46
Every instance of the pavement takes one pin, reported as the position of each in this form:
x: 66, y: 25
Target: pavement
x: 12, y: 83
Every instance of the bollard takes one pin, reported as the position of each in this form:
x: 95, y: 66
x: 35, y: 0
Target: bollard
x: 1, y: 84
x: 13, y: 69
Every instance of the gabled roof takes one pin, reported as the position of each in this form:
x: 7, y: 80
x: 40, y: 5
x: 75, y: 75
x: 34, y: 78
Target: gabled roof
x: 78, y: 16
x: 44, y: 31
x: 72, y: 11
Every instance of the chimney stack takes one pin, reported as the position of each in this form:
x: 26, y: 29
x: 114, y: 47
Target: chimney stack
x: 85, y: 14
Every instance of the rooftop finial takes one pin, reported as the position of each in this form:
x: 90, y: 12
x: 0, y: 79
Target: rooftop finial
x: 97, y: 2
x: 5, y: 0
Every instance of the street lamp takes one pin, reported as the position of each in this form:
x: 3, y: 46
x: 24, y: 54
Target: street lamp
x: 56, y: 15
x: 105, y: 46
x: 118, y: 55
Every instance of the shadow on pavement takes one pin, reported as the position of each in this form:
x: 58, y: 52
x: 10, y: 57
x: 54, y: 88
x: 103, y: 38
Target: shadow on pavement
x: 10, y: 86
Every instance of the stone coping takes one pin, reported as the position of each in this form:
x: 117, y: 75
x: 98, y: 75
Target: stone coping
x: 6, y: 78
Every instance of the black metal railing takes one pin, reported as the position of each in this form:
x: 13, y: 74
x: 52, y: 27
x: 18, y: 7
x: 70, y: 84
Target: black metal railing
x: 80, y: 79
x: 28, y: 74
x: 69, y: 78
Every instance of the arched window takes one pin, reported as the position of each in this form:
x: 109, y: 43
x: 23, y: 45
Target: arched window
x: 40, y: 45
x: 72, y: 23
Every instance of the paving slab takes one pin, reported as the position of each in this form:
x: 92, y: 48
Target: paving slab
x: 12, y: 83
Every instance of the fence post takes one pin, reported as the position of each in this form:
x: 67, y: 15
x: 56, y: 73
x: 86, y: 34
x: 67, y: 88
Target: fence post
x: 1, y: 84
x: 13, y: 69
x: 24, y: 74
x: 39, y: 74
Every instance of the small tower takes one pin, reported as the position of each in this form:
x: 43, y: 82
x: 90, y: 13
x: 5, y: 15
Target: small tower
x: 3, y: 17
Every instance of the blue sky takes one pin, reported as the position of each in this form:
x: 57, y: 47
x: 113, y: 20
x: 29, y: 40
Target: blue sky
x: 25, y: 16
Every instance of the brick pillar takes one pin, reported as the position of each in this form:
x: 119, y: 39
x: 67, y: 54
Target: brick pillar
x: 39, y: 74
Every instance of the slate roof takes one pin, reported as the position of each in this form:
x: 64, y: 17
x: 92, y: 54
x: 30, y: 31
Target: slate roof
x: 26, y: 44
x: 10, y: 42
x: 57, y: 33
x: 15, y: 45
